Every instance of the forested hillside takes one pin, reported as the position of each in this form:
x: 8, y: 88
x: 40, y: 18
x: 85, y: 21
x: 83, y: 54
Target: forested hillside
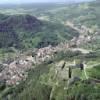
x: 27, y: 31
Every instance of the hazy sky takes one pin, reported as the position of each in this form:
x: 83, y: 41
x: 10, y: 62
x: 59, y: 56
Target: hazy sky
x: 29, y: 1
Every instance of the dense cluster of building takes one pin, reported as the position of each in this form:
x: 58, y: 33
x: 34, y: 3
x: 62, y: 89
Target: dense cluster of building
x: 15, y: 71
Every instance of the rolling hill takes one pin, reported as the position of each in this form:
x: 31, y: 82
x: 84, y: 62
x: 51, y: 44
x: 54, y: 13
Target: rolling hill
x: 55, y: 54
x: 27, y: 31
